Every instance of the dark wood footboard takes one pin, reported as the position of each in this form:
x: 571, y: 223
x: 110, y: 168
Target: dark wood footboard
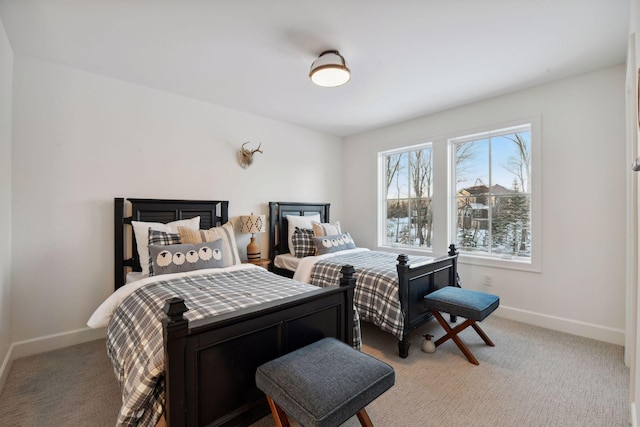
x: 210, y: 364
x: 416, y: 281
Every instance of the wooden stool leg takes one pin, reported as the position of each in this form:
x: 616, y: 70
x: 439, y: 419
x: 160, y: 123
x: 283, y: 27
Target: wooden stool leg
x: 453, y: 334
x: 365, y: 421
x: 463, y: 348
x: 450, y: 333
x: 484, y: 336
x: 279, y: 415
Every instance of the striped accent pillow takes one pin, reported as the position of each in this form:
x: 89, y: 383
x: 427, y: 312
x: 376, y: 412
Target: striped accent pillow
x: 192, y: 237
x: 230, y: 253
x: 326, y: 228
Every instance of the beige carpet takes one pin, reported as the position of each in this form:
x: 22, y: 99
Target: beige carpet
x: 533, y: 377
x: 74, y: 386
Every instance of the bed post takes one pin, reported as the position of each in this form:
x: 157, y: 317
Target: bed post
x: 347, y: 279
x: 403, y: 293
x: 119, y: 274
x: 455, y: 277
x: 273, y: 221
x: 175, y: 328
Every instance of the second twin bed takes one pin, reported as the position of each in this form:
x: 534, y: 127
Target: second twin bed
x: 390, y: 288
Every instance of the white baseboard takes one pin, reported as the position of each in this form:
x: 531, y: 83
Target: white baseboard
x: 5, y: 368
x: 574, y: 327
x: 47, y: 343
x: 53, y: 342
x: 632, y: 418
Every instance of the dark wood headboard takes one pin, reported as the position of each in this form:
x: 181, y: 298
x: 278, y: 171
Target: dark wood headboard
x: 279, y: 226
x: 212, y: 213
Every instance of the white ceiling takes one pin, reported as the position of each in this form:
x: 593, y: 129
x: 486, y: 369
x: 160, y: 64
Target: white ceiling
x: 408, y: 57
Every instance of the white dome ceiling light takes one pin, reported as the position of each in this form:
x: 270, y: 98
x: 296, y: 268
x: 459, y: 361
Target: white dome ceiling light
x: 329, y: 70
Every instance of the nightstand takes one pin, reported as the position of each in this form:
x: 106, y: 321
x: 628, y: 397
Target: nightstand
x: 264, y: 263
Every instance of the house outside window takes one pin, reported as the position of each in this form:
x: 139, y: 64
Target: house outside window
x: 491, y: 176
x: 479, y: 190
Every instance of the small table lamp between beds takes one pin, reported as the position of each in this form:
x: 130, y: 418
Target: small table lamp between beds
x: 253, y: 224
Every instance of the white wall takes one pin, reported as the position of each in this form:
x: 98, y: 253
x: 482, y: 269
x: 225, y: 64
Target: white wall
x: 581, y: 288
x: 81, y: 139
x: 6, y: 76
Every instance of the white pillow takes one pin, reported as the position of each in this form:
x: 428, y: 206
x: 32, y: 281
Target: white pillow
x: 300, y: 222
x: 141, y: 231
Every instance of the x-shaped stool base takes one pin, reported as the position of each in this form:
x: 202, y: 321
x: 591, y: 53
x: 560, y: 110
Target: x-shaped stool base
x: 453, y: 334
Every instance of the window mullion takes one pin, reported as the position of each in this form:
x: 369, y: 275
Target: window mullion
x: 491, y: 200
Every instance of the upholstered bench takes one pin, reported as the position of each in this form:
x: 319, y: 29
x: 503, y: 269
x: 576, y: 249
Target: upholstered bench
x: 323, y: 384
x: 472, y: 305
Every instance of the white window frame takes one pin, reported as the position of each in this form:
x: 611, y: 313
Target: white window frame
x: 444, y: 198
x: 382, y: 202
x: 534, y: 262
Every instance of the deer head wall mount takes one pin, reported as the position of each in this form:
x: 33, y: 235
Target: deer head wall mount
x: 245, y: 156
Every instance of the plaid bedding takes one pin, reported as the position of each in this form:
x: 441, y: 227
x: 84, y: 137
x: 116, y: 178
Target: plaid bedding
x: 376, y: 295
x: 134, y: 336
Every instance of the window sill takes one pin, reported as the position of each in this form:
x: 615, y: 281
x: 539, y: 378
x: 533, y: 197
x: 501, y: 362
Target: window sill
x: 494, y: 262
x: 408, y: 251
x: 469, y: 259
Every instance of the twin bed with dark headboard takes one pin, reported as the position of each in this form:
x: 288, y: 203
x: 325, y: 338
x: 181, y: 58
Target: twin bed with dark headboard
x: 394, y: 304
x: 207, y: 373
x: 278, y: 228
x: 212, y: 213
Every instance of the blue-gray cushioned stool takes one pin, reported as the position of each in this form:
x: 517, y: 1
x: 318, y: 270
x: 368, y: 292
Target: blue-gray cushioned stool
x: 472, y: 305
x: 323, y: 384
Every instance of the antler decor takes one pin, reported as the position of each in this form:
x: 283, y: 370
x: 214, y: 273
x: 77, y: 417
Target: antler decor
x: 245, y: 156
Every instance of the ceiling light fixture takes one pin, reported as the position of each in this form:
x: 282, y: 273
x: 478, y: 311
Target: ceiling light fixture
x: 329, y: 70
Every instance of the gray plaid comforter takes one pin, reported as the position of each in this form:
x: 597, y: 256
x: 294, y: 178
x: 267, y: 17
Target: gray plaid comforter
x: 376, y: 298
x: 134, y: 335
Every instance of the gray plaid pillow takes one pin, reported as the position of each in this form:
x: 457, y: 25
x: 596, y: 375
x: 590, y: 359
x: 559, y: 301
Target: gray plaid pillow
x: 161, y: 238
x: 302, y: 240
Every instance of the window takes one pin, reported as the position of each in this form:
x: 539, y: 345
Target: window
x: 491, y: 177
x: 479, y: 191
x: 407, y: 188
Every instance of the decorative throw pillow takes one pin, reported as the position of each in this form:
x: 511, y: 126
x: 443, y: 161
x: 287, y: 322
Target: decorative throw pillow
x: 300, y: 222
x: 303, y: 242
x: 161, y: 238
x: 182, y: 258
x: 326, y: 228
x: 225, y: 233
x: 335, y: 243
x: 141, y: 231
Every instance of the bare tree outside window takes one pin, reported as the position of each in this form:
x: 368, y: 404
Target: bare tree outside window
x: 421, y: 180
x: 409, y: 186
